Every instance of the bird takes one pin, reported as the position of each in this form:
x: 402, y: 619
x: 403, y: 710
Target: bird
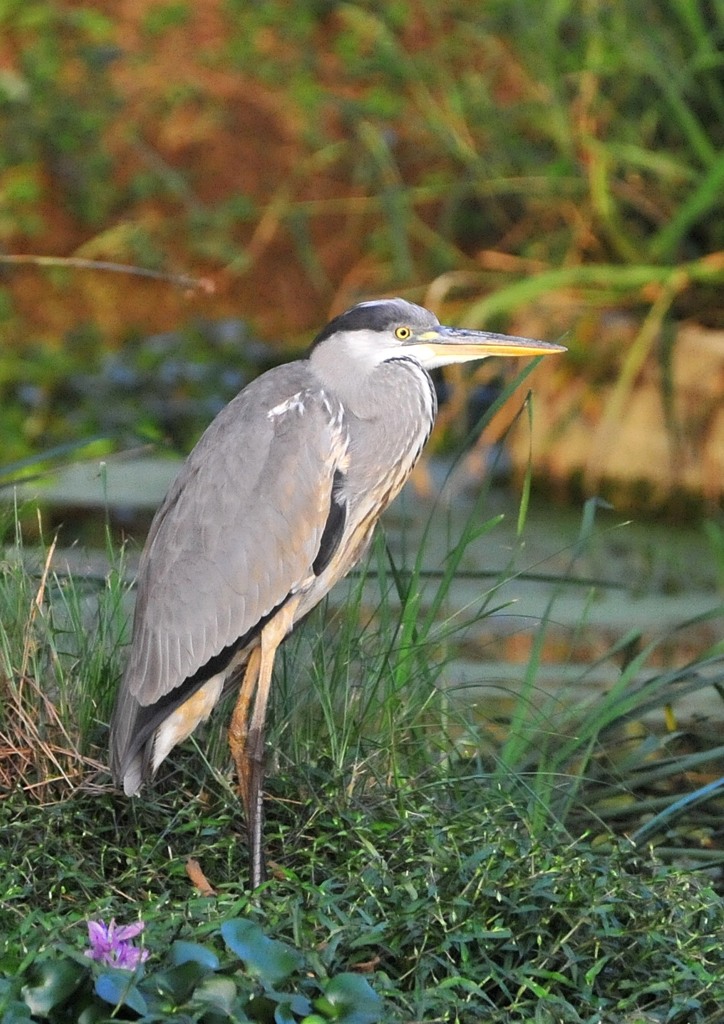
x: 277, y: 501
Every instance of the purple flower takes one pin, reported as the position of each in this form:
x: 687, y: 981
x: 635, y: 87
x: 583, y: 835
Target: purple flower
x: 111, y: 945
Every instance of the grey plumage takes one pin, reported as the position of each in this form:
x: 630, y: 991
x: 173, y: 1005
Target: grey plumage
x: 206, y: 576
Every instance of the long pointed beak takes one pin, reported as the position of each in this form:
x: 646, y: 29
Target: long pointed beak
x: 441, y: 345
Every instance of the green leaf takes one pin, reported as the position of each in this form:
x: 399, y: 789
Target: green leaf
x: 350, y: 999
x: 94, y: 1013
x: 296, y: 1003
x: 178, y: 982
x: 56, y: 981
x: 16, y: 1013
x: 219, y: 992
x: 182, y: 952
x: 269, y: 960
x: 284, y: 1014
x: 118, y: 989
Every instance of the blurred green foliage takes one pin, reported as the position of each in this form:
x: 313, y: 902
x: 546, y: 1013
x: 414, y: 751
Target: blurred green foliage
x: 164, y: 388
x: 55, y: 105
x: 491, y: 112
x: 352, y: 148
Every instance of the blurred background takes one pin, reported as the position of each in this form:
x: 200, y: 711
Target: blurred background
x: 549, y: 168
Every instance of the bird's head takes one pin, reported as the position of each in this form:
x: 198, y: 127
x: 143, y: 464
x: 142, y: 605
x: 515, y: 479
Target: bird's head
x: 375, y: 332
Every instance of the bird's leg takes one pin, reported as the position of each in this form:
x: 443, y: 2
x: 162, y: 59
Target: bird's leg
x: 239, y: 726
x: 248, y: 732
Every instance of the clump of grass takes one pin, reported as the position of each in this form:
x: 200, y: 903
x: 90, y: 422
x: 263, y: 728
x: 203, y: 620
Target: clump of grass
x: 446, y: 900
x: 59, y: 660
x: 470, y: 914
x: 467, y: 882
x: 376, y: 713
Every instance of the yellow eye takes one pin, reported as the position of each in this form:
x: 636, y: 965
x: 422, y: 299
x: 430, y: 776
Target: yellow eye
x: 403, y: 333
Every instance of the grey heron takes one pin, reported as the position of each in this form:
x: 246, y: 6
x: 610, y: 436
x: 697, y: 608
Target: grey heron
x: 276, y: 502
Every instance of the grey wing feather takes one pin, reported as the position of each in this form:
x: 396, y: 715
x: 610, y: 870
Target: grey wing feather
x: 238, y: 531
